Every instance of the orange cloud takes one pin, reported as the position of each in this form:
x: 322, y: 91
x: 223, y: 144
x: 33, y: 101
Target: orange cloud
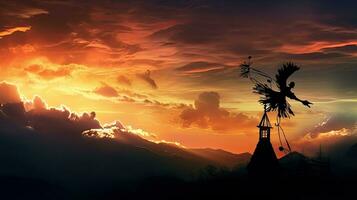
x: 106, y: 91
x: 10, y: 31
x: 50, y: 74
x: 124, y: 80
x: 26, y: 48
x: 9, y: 93
x: 207, y: 113
x: 36, y: 103
x: 46, y: 73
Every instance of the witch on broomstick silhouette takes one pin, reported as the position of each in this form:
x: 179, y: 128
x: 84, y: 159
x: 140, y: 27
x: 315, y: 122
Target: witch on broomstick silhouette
x: 271, y: 99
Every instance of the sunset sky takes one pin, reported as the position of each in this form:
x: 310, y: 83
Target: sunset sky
x: 156, y: 65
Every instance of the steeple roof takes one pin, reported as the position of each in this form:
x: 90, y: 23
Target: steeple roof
x: 265, y: 122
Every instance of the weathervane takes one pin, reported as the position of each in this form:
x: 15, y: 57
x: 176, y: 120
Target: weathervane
x: 271, y: 99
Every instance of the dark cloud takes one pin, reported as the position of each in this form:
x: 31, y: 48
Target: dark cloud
x: 124, y: 80
x: 315, y: 56
x: 61, y: 121
x: 132, y: 94
x: 9, y: 93
x: 190, y: 33
x: 106, y: 91
x: 207, y: 113
x: 208, y: 31
x: 124, y: 95
x: 127, y: 99
x: 24, y: 10
x: 199, y: 67
x: 148, y: 79
x: 35, y: 114
x: 222, y: 30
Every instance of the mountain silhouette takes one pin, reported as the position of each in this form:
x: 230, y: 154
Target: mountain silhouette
x: 225, y: 158
x: 85, y: 165
x: 294, y: 162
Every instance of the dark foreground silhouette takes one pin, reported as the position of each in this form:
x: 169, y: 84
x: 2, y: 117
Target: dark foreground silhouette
x: 47, y: 157
x: 224, y: 185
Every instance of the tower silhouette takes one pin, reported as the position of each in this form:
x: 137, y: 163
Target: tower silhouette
x: 264, y: 160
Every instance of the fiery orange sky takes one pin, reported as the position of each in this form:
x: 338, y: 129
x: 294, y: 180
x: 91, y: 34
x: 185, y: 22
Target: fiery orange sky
x: 156, y: 65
